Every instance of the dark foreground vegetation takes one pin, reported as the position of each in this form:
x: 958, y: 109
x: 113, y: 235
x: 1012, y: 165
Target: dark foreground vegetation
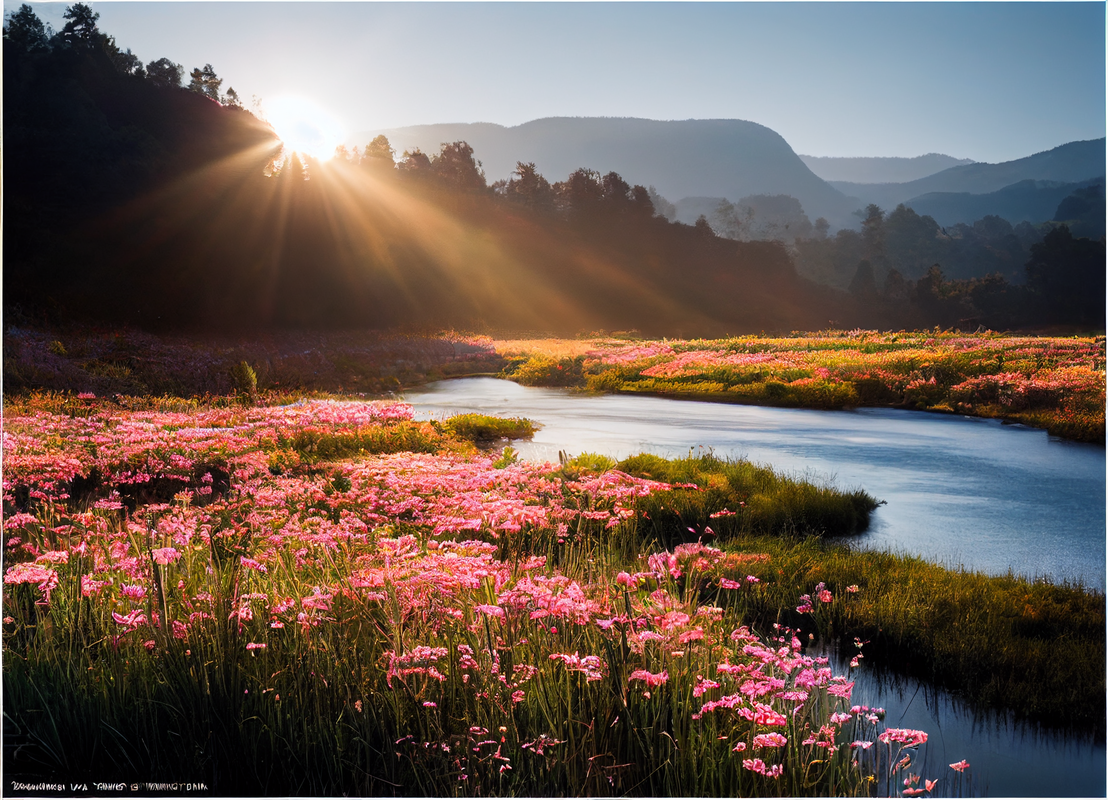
x: 328, y: 597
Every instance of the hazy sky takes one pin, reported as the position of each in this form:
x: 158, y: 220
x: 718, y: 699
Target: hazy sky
x: 987, y: 81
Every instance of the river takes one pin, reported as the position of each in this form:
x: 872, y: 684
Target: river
x: 958, y: 491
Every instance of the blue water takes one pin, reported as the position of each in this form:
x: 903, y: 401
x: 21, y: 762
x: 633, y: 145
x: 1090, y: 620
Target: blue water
x: 959, y: 491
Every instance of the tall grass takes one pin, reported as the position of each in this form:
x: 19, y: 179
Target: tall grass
x: 361, y: 621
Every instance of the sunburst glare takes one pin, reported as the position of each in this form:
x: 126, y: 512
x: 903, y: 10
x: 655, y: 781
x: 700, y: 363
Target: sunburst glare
x: 304, y: 127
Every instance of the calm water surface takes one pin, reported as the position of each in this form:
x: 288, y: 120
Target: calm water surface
x: 959, y: 491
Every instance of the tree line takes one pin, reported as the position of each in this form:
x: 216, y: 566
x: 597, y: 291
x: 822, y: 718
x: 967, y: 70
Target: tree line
x: 136, y: 201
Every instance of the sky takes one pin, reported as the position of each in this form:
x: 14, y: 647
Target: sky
x: 988, y: 81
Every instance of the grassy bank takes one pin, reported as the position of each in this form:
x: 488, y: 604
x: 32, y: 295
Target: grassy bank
x: 210, y: 593
x: 1055, y: 383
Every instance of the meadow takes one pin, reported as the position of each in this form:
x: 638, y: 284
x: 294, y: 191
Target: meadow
x: 1055, y: 383
x: 1052, y: 382
x: 326, y: 596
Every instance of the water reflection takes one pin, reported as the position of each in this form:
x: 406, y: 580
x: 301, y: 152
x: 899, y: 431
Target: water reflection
x: 1007, y: 758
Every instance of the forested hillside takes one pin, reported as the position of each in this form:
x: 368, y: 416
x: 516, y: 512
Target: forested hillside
x: 133, y: 198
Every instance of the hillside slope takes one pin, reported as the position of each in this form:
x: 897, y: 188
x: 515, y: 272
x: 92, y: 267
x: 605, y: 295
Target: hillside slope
x: 880, y: 170
x: 1068, y: 163
x: 713, y: 157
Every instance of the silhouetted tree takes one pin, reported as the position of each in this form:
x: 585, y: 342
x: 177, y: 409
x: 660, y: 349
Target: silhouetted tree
x: 864, y: 285
x: 378, y: 154
x: 580, y: 193
x: 1067, y: 278
x: 26, y: 32
x: 896, y: 289
x: 125, y: 61
x: 456, y: 168
x: 204, y: 81
x: 164, y: 72
x: 662, y: 207
x: 703, y: 228
x: 641, y: 204
x: 528, y: 188
x: 413, y: 164
x: 80, y: 31
x: 873, y: 235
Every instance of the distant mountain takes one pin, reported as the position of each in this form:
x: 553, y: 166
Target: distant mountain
x: 1069, y: 163
x: 688, y: 158
x: 1084, y: 212
x: 1029, y: 200
x: 881, y: 170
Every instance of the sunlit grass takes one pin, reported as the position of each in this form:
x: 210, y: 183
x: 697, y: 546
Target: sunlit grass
x: 1056, y: 383
x: 291, y: 600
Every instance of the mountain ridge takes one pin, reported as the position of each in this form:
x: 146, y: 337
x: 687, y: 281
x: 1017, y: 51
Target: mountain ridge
x: 1071, y: 162
x: 880, y: 169
x: 714, y: 157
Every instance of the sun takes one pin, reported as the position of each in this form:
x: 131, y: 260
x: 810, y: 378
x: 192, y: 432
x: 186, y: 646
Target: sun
x: 303, y: 126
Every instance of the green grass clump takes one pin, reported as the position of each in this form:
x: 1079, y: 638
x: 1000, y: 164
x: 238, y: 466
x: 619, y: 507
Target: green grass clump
x: 542, y: 370
x: 1032, y: 648
x: 727, y: 498
x: 483, y: 429
x: 312, y: 446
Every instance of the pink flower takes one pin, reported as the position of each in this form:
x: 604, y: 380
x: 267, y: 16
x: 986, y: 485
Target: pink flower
x: 843, y: 690
x: 166, y: 555
x: 759, y: 766
x: 825, y: 596
x: 770, y: 740
x: 624, y: 579
x: 651, y: 679
x: 961, y: 766
x: 132, y: 592
x: 905, y: 736
x: 256, y: 646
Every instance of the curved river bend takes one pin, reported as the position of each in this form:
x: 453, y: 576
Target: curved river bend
x: 959, y: 491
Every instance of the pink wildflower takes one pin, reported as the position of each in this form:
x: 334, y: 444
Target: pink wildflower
x: 166, y: 555
x: 960, y: 766
x: 905, y: 736
x: 250, y: 563
x: 651, y: 679
x: 770, y: 740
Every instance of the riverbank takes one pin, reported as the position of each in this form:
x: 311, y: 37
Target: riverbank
x: 166, y: 569
x: 1054, y: 383
x: 1049, y: 382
